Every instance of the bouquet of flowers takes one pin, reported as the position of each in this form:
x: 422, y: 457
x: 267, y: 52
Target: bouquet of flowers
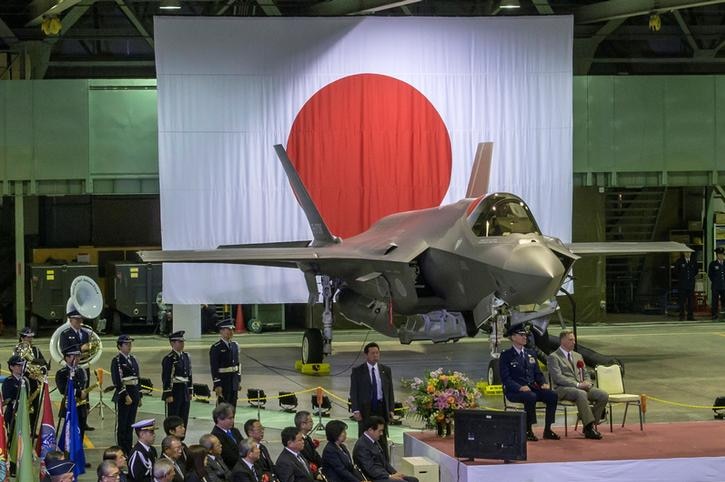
x: 441, y: 393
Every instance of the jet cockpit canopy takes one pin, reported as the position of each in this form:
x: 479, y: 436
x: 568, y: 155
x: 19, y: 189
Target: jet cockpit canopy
x: 500, y: 214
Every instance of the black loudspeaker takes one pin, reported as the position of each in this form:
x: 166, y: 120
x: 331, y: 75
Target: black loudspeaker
x: 719, y: 402
x: 484, y: 434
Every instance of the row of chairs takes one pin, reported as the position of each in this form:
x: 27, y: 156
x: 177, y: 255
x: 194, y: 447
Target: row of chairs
x: 609, y: 379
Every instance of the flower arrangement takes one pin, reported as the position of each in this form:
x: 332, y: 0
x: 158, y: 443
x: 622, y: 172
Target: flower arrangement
x: 435, y: 398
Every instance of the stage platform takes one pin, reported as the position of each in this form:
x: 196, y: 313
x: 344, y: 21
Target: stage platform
x: 677, y: 452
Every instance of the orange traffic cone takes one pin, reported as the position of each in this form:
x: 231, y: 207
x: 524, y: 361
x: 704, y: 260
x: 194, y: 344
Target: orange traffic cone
x: 239, y: 325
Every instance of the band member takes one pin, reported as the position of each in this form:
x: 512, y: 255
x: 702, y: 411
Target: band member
x: 35, y: 370
x: 77, y: 376
x: 125, y: 375
x: 26, y: 340
x: 142, y: 458
x: 225, y: 366
x: 11, y: 393
x: 176, y: 378
x: 77, y: 335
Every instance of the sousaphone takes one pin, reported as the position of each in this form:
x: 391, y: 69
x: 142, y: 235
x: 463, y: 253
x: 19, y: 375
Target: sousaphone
x: 86, y: 298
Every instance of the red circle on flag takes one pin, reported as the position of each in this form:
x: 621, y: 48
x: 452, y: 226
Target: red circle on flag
x: 367, y: 146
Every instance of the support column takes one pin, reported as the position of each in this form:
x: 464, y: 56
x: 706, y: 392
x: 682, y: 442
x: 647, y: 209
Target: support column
x: 188, y: 318
x: 19, y: 262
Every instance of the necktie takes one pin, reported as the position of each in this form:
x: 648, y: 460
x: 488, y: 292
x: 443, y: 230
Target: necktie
x: 374, y: 397
x: 303, y: 462
x: 568, y: 357
x: 229, y: 433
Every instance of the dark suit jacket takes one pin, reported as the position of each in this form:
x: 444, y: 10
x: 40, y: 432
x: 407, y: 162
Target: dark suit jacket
x: 217, y: 469
x: 310, y: 452
x: 230, y: 449
x: 369, y: 457
x: 193, y: 477
x: 337, y: 464
x: 361, y: 389
x: 517, y: 372
x: 289, y: 469
x: 178, y: 476
x: 265, y: 464
x: 242, y: 473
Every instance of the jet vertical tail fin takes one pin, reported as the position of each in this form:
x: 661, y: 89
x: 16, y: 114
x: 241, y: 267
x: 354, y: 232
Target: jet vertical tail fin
x: 320, y: 232
x: 481, y: 171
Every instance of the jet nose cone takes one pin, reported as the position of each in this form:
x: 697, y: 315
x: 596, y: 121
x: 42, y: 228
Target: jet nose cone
x: 534, y: 273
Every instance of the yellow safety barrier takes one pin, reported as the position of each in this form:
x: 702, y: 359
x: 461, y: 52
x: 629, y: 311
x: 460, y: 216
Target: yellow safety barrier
x: 680, y: 404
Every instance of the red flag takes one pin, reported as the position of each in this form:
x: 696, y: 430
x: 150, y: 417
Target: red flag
x: 4, y: 462
x: 46, y: 435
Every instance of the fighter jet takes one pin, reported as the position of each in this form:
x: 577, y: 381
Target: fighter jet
x: 437, y: 274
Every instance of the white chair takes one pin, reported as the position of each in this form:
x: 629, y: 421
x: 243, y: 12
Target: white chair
x: 609, y: 379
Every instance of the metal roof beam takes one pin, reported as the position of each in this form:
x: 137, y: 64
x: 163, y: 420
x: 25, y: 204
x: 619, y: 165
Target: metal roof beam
x: 543, y: 7
x: 269, y: 7
x: 40, y: 9
x: 613, y: 9
x: 356, y: 7
x: 686, y: 31
x: 135, y: 22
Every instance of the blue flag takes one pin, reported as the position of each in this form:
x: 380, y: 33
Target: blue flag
x: 70, y: 437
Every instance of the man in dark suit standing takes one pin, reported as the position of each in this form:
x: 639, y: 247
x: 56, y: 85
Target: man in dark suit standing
x: 371, y: 391
x: 369, y: 457
x: 246, y: 470
x: 686, y: 270
x: 223, y: 415
x: 523, y: 382
x: 716, y: 273
x: 290, y: 465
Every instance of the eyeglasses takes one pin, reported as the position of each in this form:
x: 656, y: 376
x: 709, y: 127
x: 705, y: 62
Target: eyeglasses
x: 115, y: 476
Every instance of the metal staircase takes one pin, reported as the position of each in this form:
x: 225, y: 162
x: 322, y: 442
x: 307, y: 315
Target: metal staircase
x: 630, y: 215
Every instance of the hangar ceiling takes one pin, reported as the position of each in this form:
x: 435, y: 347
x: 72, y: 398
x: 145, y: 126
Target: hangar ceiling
x: 114, y: 38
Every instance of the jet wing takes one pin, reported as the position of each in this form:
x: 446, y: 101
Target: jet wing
x: 626, y: 248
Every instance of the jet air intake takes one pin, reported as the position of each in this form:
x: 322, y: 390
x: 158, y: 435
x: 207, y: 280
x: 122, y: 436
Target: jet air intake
x: 366, y: 311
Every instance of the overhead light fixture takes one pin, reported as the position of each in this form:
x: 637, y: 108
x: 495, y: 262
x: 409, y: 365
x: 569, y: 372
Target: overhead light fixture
x: 386, y: 6
x: 170, y: 5
x: 51, y: 26
x: 510, y: 4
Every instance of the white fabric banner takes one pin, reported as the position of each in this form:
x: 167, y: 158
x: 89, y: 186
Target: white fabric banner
x: 231, y: 88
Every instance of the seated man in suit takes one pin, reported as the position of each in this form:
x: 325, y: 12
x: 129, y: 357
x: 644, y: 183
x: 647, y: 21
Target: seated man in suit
x: 291, y: 466
x: 215, y: 466
x: 523, y: 382
x: 228, y: 435
x: 255, y: 431
x: 368, y: 454
x: 245, y: 470
x: 304, y: 423
x: 171, y: 450
x: 571, y: 381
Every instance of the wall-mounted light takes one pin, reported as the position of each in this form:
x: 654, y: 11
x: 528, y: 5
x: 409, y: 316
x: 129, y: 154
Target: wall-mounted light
x: 510, y: 4
x: 170, y: 5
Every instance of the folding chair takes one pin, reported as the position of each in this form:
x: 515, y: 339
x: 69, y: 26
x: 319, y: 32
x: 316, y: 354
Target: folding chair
x: 609, y: 379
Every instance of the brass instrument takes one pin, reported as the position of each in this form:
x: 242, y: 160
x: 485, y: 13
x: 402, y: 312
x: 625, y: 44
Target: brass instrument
x: 86, y: 298
x: 36, y: 371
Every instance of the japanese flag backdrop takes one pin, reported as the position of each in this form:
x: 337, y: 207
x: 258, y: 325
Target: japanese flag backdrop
x: 379, y: 115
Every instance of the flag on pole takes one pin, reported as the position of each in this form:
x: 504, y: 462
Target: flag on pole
x: 26, y: 471
x: 70, y: 436
x: 4, y: 462
x: 46, y: 435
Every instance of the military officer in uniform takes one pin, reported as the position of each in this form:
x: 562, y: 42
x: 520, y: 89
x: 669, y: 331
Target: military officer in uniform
x: 77, y: 335
x: 176, y: 378
x: 224, y: 363
x: 716, y: 273
x: 125, y: 376
x: 142, y: 458
x: 524, y: 383
x: 11, y: 392
x: 77, y: 376
x: 686, y: 271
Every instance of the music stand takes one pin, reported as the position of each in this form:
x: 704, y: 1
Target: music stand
x: 100, y: 404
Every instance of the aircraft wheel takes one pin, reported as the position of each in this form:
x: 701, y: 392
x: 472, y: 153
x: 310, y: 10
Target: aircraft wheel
x: 312, y: 346
x: 255, y: 325
x: 494, y: 374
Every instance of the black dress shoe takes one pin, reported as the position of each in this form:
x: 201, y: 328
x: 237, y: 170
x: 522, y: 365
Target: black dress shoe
x: 89, y: 428
x: 551, y: 435
x: 592, y: 433
x: 531, y: 436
